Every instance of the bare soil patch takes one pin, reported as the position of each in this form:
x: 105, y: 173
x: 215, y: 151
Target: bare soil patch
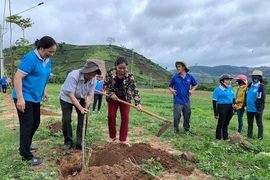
x: 13, y: 125
x: 46, y: 112
x: 55, y: 127
x: 112, y: 161
x: 8, y: 107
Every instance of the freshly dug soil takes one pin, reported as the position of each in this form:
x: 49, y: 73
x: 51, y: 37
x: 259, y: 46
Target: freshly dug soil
x: 117, y: 161
x: 55, y: 127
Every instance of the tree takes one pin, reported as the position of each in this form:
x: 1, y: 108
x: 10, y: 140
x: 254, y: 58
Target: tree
x: 24, y: 44
x: 61, y: 47
x: 21, y: 22
x: 110, y: 40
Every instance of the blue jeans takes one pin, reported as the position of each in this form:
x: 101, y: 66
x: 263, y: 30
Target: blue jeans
x: 240, y: 114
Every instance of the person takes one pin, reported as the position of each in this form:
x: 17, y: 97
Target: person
x: 77, y: 91
x: 4, y: 84
x: 29, y: 90
x: 223, y: 106
x: 98, y: 95
x: 0, y: 84
x: 180, y: 88
x: 254, y: 102
x: 120, y: 84
x: 239, y: 92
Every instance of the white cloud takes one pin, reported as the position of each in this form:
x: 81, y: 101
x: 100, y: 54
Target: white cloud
x: 206, y: 32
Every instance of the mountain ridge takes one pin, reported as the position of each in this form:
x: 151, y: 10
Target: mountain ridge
x: 210, y: 74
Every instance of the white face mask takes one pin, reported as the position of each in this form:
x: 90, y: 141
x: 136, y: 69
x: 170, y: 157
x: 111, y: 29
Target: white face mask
x: 227, y: 86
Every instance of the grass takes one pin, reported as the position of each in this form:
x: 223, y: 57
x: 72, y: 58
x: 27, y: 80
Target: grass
x: 218, y: 158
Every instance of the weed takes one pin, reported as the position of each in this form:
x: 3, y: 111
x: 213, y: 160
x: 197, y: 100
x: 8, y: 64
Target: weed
x: 152, y: 166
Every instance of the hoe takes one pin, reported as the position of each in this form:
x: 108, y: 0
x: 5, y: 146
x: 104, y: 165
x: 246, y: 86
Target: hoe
x: 162, y: 129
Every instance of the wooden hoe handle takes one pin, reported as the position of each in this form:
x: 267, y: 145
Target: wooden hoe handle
x: 142, y: 110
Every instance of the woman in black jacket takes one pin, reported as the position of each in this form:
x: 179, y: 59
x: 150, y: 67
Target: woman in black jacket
x: 255, y: 101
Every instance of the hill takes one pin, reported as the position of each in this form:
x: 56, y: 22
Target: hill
x: 207, y: 74
x: 69, y: 57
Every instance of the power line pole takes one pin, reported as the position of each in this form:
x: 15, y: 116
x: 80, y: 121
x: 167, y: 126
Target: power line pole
x: 150, y: 79
x: 132, y: 56
x: 1, y: 52
x: 1, y: 39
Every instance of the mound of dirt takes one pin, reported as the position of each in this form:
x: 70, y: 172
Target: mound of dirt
x: 118, y: 161
x: 236, y: 138
x: 55, y: 127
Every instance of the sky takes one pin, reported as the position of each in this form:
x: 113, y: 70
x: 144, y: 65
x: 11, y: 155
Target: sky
x: 199, y: 32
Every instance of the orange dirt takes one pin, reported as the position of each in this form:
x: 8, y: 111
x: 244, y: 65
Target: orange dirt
x: 47, y: 113
x: 118, y: 161
x: 55, y: 127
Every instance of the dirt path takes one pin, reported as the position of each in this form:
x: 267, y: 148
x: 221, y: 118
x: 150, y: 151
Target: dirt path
x: 10, y: 111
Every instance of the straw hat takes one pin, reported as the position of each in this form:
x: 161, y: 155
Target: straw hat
x: 257, y: 73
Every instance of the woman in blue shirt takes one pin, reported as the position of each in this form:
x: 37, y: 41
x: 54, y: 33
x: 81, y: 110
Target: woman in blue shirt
x: 223, y: 105
x: 29, y: 90
x: 255, y: 101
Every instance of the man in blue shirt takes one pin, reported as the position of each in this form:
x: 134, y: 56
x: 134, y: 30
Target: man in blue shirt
x: 180, y: 88
x: 4, y: 84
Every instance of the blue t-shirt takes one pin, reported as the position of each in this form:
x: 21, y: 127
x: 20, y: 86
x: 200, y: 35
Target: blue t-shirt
x: 182, y: 87
x: 3, y: 81
x: 251, y: 98
x: 99, y: 86
x: 223, y: 95
x: 37, y: 75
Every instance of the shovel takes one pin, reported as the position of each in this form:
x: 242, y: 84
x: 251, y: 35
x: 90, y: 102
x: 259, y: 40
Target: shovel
x: 162, y: 129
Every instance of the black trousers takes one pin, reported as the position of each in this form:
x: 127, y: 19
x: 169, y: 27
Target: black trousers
x: 225, y: 112
x: 66, y: 123
x: 250, y: 119
x: 97, y: 98
x: 4, y: 88
x: 29, y: 123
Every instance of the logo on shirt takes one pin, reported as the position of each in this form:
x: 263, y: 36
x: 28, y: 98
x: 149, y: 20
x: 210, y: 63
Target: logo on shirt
x: 255, y: 90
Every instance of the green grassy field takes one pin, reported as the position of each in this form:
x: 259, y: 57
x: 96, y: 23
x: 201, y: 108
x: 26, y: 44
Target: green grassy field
x: 218, y: 158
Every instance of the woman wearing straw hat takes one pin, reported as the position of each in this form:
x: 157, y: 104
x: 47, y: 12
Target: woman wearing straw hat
x: 254, y: 101
x: 239, y: 92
